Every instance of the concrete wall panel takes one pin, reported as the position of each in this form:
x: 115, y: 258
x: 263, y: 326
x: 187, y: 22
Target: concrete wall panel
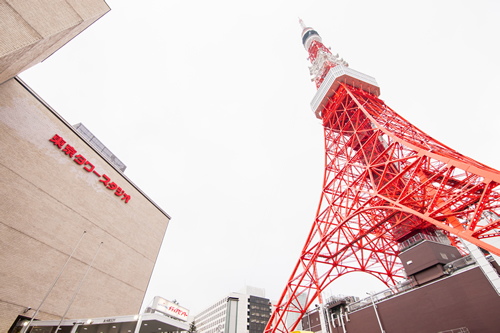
x: 47, y: 202
x: 31, y: 30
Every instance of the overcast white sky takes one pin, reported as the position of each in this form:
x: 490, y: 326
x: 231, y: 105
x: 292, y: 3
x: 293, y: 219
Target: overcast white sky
x: 207, y: 103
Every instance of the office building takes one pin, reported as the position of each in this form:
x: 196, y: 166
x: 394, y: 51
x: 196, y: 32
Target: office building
x: 245, y: 311
x: 65, y: 203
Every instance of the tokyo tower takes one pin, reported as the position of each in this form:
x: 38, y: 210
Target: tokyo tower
x: 385, y: 181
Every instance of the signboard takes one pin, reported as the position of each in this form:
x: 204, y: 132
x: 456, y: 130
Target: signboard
x: 60, y: 143
x: 169, y: 308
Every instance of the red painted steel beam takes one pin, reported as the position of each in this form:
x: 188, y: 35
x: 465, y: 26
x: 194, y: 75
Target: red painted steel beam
x: 384, y: 181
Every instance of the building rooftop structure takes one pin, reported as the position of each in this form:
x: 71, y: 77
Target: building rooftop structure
x: 99, y: 146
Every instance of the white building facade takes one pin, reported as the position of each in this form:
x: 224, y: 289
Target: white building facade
x: 245, y: 311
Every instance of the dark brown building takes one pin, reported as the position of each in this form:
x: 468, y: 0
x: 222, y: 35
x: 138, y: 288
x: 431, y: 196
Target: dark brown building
x: 445, y: 292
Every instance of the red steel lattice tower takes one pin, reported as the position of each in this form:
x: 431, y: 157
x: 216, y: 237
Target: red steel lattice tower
x: 384, y: 181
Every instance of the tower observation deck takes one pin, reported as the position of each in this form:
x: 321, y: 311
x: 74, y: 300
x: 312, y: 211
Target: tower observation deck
x: 385, y: 181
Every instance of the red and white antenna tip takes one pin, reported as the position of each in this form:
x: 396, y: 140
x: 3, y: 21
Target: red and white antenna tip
x: 302, y: 24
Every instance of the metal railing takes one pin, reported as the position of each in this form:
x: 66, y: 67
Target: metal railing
x: 419, y: 238
x: 456, y: 330
x: 341, y: 298
x: 458, y: 264
x: 368, y: 300
x: 381, y: 295
x: 408, y: 284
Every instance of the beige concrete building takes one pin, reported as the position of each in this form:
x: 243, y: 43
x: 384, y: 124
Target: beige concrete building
x: 31, y: 30
x: 54, y: 186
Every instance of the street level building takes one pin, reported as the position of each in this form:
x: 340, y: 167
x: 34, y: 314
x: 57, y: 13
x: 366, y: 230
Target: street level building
x: 64, y: 202
x: 162, y: 317
x: 245, y: 311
